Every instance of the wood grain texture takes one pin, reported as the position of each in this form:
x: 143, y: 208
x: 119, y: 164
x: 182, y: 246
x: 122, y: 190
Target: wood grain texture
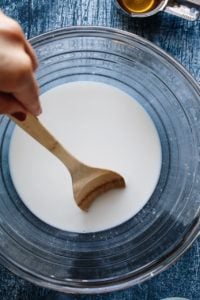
x: 177, y: 37
x: 88, y: 182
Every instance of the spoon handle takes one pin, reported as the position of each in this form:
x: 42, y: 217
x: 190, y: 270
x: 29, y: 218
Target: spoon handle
x: 34, y: 128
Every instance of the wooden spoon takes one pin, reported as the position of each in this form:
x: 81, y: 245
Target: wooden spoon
x: 87, y: 182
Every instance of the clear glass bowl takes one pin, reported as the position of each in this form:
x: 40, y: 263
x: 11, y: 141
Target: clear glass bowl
x: 149, y: 242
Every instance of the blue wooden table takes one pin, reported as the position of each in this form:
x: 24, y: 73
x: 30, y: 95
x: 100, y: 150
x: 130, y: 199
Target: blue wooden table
x: 178, y: 37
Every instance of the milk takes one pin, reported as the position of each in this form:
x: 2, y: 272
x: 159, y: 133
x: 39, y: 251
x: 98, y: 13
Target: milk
x: 103, y: 127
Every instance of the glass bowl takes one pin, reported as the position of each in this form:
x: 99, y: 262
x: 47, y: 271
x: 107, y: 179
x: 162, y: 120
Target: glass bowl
x: 153, y: 239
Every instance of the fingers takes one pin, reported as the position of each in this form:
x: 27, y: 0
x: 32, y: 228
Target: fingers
x: 18, y: 80
x: 28, y: 95
x: 9, y: 105
x: 17, y: 65
x: 29, y: 50
x: 12, y: 29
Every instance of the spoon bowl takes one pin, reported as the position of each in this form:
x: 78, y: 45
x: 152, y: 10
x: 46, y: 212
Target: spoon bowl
x: 88, y: 182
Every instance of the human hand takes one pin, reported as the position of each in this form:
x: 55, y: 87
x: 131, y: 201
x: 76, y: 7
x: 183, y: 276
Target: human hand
x: 18, y: 87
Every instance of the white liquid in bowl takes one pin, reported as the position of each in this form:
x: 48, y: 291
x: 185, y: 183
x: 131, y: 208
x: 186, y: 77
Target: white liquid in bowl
x: 103, y: 127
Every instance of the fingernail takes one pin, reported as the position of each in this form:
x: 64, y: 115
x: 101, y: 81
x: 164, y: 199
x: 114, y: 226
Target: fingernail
x: 19, y: 116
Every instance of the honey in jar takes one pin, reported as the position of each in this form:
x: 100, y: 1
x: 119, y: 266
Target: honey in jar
x: 138, y: 6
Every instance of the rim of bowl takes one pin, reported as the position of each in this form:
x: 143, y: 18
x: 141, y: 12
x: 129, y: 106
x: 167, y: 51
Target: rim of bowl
x: 160, y: 266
